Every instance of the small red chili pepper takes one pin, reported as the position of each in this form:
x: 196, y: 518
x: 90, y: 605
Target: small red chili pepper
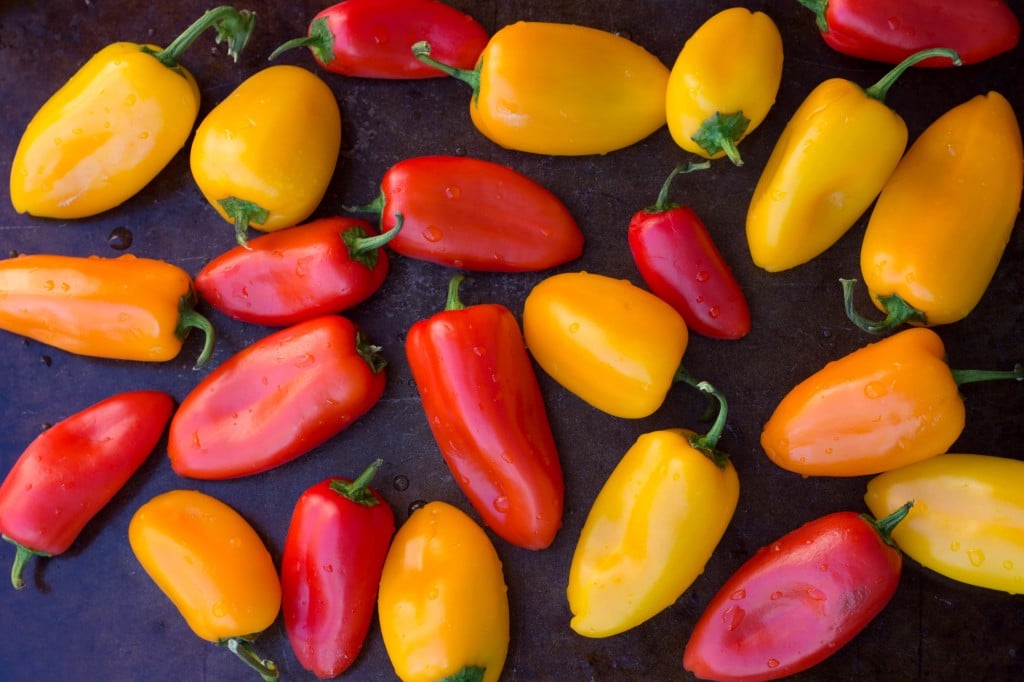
x: 74, y: 468
x: 680, y: 263
x: 276, y: 400
x: 798, y: 601
x: 487, y: 414
x: 374, y: 38
x: 333, y: 557
x: 889, y: 32
x: 324, y: 266
x: 475, y: 215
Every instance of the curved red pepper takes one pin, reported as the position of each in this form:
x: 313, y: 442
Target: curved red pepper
x: 333, y: 557
x: 322, y: 267
x: 797, y: 601
x: 74, y: 468
x: 680, y: 263
x: 276, y: 400
x: 487, y: 414
x: 475, y: 215
x: 374, y: 38
x: 889, y: 32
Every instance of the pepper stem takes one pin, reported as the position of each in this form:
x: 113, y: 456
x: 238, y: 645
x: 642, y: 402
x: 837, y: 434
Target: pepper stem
x: 232, y: 25
x: 880, y: 89
x: 189, y: 318
x: 662, y: 204
x: 818, y: 7
x: 376, y: 207
x: 242, y: 647
x: 357, y: 491
x: 721, y: 133
x: 885, y: 525
x: 320, y: 42
x: 897, y: 311
x: 708, y: 443
x: 370, y: 353
x: 243, y: 213
x: 366, y: 250
x: 470, y: 673
x: 470, y: 77
x: 21, y: 556
x: 970, y: 376
x: 453, y: 302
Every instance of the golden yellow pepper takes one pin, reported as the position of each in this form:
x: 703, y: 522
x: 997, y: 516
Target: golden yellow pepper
x: 724, y: 82
x: 562, y: 89
x: 114, y: 125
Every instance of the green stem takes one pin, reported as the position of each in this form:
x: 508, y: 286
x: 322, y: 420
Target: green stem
x: 470, y: 673
x: 662, y: 204
x: 232, y: 25
x: 453, y: 302
x: 243, y: 213
x: 708, y: 443
x: 320, y: 42
x: 370, y: 353
x: 21, y: 556
x: 721, y: 133
x: 819, y: 7
x: 358, y: 490
x: 366, y: 250
x: 886, y: 525
x: 242, y: 647
x: 470, y: 77
x: 897, y: 311
x: 376, y: 207
x: 880, y: 89
x: 970, y: 376
x: 188, y: 319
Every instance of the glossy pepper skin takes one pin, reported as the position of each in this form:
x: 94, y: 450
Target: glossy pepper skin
x: 275, y: 400
x: 939, y: 228
x: 562, y: 89
x: 833, y: 158
x: 609, y: 342
x: 125, y: 308
x: 799, y: 600
x: 74, y: 468
x: 889, y: 32
x: 213, y: 566
x: 321, y: 267
x: 486, y: 412
x: 115, y: 124
x: 724, y: 82
x: 333, y: 557
x: 679, y: 261
x: 374, y: 38
x: 475, y: 215
x: 652, y: 528
x: 883, y: 406
x: 443, y: 619
x: 264, y: 156
x: 968, y: 517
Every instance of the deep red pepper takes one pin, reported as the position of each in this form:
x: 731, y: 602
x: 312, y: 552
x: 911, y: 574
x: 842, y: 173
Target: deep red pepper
x: 475, y: 215
x: 681, y: 264
x: 333, y: 557
x: 322, y: 267
x: 74, y: 468
x: 374, y: 38
x: 889, y: 32
x: 797, y: 601
x: 276, y: 400
x: 485, y: 409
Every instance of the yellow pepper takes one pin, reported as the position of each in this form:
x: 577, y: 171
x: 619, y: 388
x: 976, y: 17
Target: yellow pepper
x: 265, y: 155
x: 724, y: 82
x: 562, y: 89
x: 214, y: 568
x: 652, y: 528
x: 831, y: 161
x: 967, y: 522
x: 114, y: 125
x: 942, y: 222
x: 614, y: 345
x: 443, y: 603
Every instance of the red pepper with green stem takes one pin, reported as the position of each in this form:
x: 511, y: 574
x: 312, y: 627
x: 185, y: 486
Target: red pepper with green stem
x: 485, y: 409
x: 680, y: 262
x: 73, y: 469
x: 333, y: 557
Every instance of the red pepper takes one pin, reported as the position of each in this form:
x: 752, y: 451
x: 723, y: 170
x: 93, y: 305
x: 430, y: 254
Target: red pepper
x: 485, y: 409
x: 797, y: 601
x: 374, y: 38
x: 889, y: 32
x: 475, y: 215
x: 680, y: 263
x: 74, y: 468
x: 322, y: 267
x: 333, y: 558
x: 276, y: 400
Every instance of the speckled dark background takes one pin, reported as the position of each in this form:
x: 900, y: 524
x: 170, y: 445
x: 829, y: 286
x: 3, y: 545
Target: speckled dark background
x: 93, y: 614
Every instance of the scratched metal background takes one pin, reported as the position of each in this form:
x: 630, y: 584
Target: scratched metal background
x: 94, y: 614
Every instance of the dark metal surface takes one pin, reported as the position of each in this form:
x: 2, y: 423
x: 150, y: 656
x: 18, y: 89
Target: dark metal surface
x: 93, y: 614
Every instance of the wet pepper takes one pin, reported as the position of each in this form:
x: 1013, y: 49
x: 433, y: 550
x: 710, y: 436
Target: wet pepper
x: 939, y: 228
x: 484, y: 406
x: 115, y: 124
x: 125, y: 308
x: 652, y: 528
x: 883, y: 406
x: 214, y: 568
x: 443, y: 603
x: 562, y: 89
x: 968, y: 517
x: 73, y: 469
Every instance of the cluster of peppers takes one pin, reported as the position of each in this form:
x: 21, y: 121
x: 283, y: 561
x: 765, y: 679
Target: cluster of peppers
x: 669, y: 501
